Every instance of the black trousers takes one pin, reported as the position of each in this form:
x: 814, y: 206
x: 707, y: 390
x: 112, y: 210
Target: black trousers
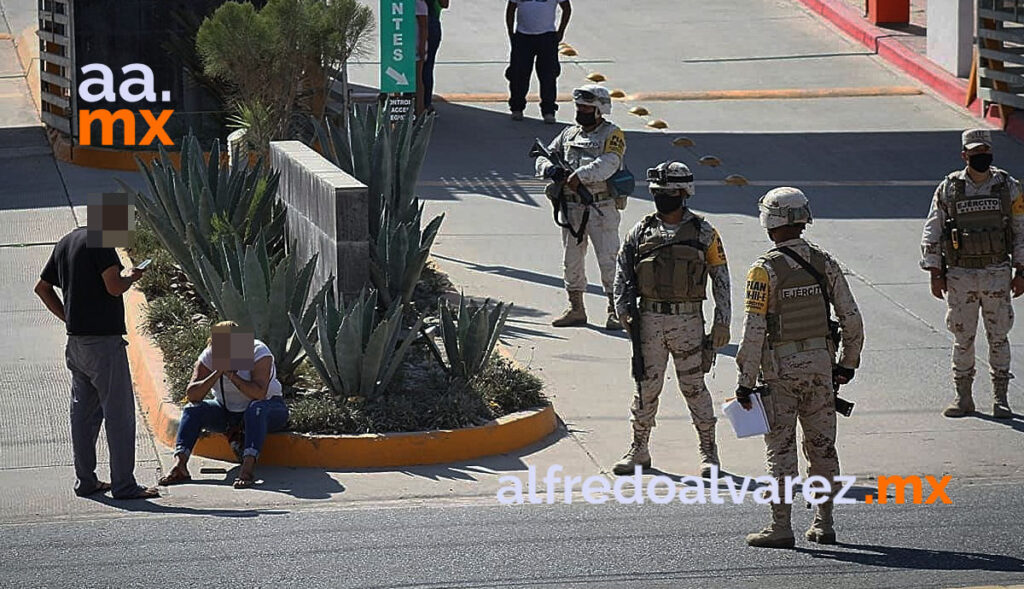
x: 527, y: 49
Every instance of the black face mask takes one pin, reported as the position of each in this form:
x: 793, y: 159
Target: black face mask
x: 667, y: 203
x: 980, y: 162
x: 586, y: 119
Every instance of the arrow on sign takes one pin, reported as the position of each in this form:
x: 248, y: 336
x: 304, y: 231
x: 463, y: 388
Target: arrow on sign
x: 397, y: 77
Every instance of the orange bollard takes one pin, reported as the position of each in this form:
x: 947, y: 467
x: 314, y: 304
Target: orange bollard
x: 889, y: 12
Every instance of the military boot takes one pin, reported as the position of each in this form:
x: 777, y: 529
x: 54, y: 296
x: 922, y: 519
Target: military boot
x: 963, y: 405
x: 612, y: 324
x: 708, y: 450
x: 575, y: 314
x: 779, y: 533
x: 822, y: 530
x: 1001, y: 407
x: 638, y: 453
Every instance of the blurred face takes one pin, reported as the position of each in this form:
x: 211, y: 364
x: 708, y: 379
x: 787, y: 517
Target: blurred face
x: 110, y: 220
x: 232, y: 348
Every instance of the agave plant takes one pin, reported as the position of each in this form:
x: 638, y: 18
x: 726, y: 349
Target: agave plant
x: 386, y: 158
x: 470, y: 339
x: 398, y: 256
x: 357, y: 353
x: 197, y: 205
x: 259, y: 293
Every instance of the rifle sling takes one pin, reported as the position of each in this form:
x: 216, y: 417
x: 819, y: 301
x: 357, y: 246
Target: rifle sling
x: 792, y: 255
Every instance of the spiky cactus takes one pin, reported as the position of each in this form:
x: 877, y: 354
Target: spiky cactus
x: 357, y: 352
x: 470, y: 338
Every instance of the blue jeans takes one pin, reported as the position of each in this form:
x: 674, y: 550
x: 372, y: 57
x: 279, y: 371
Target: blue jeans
x: 260, y: 418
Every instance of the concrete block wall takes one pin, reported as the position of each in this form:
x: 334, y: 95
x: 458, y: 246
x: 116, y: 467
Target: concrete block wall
x: 327, y: 214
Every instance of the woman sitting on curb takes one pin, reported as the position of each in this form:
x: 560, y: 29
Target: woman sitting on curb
x: 241, y: 373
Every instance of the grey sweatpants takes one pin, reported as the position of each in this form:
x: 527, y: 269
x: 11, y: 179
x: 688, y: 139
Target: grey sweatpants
x: 101, y: 388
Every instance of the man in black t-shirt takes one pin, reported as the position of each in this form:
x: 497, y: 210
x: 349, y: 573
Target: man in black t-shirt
x: 90, y: 279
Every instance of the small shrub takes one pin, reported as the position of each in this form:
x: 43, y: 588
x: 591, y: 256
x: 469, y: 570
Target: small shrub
x: 508, y: 388
x: 164, y: 312
x: 181, y: 346
x: 319, y: 414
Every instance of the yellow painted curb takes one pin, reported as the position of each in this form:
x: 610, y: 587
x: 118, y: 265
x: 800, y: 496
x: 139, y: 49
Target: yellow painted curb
x: 504, y: 434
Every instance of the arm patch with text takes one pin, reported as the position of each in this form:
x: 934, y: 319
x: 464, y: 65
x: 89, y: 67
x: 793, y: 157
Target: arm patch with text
x: 616, y: 143
x: 716, y: 251
x: 756, y: 300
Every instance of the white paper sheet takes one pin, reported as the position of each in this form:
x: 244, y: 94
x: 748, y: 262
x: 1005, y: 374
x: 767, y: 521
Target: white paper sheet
x: 747, y: 423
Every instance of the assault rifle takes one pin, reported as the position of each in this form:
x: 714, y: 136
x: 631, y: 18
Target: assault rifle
x: 634, y: 339
x: 558, y: 201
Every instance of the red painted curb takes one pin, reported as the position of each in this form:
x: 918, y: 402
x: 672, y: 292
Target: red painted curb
x: 888, y: 48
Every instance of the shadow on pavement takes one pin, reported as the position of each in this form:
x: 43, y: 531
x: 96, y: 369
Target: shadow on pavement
x: 1015, y: 423
x: 847, y: 175
x: 300, y: 483
x: 154, y: 506
x: 916, y: 558
x: 519, y: 274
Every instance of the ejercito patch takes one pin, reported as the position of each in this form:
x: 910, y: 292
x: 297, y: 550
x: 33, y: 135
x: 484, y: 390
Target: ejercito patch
x: 800, y: 291
x: 978, y: 205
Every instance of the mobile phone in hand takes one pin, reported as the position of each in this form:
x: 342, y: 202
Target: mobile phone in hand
x: 144, y: 264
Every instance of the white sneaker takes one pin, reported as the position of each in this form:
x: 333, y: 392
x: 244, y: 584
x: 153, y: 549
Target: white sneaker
x: 550, y: 119
x: 517, y: 115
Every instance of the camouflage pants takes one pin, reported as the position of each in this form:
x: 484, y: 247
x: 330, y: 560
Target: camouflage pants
x: 603, y: 232
x: 680, y: 336
x: 989, y: 290
x: 809, y: 399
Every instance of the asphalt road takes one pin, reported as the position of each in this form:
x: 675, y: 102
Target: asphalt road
x: 975, y: 541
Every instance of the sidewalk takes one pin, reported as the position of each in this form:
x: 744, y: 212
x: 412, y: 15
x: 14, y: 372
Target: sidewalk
x: 905, y: 47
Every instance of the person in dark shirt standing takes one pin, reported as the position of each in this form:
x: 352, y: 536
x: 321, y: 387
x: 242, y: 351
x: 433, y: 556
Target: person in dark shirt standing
x: 534, y: 39
x: 86, y: 268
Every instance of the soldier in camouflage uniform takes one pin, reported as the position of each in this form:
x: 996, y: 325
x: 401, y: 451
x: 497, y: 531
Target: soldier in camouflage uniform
x: 974, y: 228
x: 594, y: 147
x: 787, y: 344
x: 666, y: 260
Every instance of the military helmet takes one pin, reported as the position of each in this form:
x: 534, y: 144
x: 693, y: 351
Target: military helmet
x: 784, y: 206
x: 671, y: 176
x: 593, y: 95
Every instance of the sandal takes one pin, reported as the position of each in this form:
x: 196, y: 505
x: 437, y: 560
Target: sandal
x: 142, y: 493
x: 243, y: 482
x: 101, y: 487
x: 175, y: 477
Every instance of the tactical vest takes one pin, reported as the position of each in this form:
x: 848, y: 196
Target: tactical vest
x: 978, y: 232
x: 800, y: 311
x: 577, y: 149
x: 674, y: 269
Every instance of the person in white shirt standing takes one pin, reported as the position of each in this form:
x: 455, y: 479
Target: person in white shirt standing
x: 240, y: 372
x: 534, y: 38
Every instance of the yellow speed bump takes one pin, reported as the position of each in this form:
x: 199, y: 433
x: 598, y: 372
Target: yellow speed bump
x: 568, y: 51
x: 683, y: 142
x: 658, y: 124
x: 596, y: 77
x: 736, y: 180
x: 618, y: 93
x: 639, y: 111
x: 710, y: 160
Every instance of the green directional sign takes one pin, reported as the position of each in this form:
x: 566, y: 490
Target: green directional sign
x: 397, y: 46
